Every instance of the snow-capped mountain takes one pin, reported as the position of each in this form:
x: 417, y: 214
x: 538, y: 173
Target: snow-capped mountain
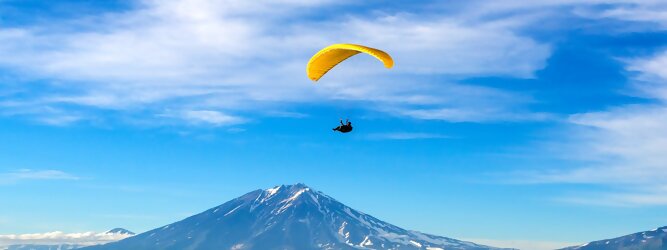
x: 121, y: 231
x: 293, y: 217
x: 649, y: 240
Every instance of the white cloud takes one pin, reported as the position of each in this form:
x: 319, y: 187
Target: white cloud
x: 244, y: 57
x: 651, y: 12
x: 618, y: 9
x: 46, y: 114
x: 234, y: 57
x: 622, y: 148
x: 652, y: 79
x: 449, y: 46
x: 475, y: 115
x: 210, y: 117
x: 647, y: 195
x: 29, y: 174
x: 57, y: 237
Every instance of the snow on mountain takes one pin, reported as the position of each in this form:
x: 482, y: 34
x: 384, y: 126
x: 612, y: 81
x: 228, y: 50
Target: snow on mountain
x: 649, y: 240
x: 292, y: 217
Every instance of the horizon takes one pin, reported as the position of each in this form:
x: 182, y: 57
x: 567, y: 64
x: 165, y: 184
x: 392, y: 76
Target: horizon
x: 539, y: 125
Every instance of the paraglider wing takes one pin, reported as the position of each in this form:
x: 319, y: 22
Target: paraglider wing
x: 327, y: 58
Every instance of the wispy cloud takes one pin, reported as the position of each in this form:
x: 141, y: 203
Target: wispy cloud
x: 622, y: 148
x: 406, y: 136
x: 57, y: 237
x: 243, y: 58
x: 213, y: 56
x: 648, y: 195
x: 647, y: 12
x: 475, y: 115
x: 210, y: 117
x: 47, y: 114
x: 29, y: 174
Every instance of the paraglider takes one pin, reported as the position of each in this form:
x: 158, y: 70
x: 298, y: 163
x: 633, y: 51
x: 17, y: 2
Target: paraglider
x: 344, y: 128
x: 326, y: 59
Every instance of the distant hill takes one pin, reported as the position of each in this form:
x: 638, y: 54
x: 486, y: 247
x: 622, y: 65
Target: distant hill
x: 649, y: 240
x: 119, y: 230
x: 291, y: 217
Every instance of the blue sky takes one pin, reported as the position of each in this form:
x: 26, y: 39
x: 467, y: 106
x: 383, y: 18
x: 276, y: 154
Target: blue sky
x: 537, y: 125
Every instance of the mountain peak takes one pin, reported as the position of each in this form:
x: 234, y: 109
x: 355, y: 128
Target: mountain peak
x: 289, y: 187
x: 283, y: 197
x: 288, y: 190
x: 285, y: 217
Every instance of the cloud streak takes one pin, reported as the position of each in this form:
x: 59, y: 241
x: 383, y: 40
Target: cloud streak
x: 645, y: 195
x: 622, y: 148
x: 406, y: 136
x: 58, y: 237
x: 30, y: 175
x: 199, y: 117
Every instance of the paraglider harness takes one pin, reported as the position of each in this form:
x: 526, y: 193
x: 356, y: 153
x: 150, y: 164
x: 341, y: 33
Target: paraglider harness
x: 344, y: 128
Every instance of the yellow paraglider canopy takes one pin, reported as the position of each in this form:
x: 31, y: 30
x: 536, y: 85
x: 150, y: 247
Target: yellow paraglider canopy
x: 327, y: 58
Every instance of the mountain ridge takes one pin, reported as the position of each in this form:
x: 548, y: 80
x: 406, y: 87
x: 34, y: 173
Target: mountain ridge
x: 655, y: 239
x: 285, y: 217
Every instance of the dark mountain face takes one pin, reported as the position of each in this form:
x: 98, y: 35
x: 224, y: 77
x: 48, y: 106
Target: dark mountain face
x: 648, y: 240
x: 292, y: 217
